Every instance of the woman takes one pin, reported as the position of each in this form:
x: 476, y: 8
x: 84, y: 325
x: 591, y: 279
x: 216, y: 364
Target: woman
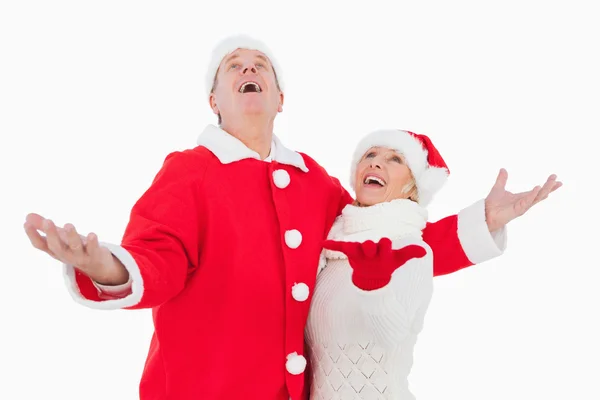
x: 370, y: 301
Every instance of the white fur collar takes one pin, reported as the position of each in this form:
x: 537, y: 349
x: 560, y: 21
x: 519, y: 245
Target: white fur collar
x: 229, y: 149
x: 396, y: 220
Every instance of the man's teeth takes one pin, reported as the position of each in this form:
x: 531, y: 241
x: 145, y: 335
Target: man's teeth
x: 250, y: 86
x: 373, y: 179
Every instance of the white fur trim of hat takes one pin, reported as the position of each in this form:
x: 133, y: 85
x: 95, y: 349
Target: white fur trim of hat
x: 231, y: 44
x: 425, y: 162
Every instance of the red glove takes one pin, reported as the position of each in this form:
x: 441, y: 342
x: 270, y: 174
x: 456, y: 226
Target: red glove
x: 373, y: 264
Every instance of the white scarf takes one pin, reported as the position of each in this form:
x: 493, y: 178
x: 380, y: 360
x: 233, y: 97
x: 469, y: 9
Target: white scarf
x: 396, y: 219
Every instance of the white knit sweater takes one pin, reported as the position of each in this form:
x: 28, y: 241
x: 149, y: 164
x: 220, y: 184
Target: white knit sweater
x: 361, y: 342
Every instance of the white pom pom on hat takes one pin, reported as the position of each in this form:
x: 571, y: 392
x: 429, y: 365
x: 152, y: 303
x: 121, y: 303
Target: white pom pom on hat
x: 230, y: 44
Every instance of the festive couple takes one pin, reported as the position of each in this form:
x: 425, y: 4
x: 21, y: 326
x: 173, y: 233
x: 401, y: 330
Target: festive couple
x: 267, y: 280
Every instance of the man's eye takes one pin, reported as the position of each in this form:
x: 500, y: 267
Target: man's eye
x: 370, y: 154
x: 397, y: 159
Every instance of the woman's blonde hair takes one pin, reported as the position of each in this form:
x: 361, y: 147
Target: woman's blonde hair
x: 411, y: 186
x: 411, y: 189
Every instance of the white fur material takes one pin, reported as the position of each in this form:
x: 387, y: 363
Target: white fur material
x: 228, y: 148
x: 428, y: 179
x: 476, y: 240
x: 293, y: 238
x: 281, y: 178
x: 137, y: 285
x: 229, y: 45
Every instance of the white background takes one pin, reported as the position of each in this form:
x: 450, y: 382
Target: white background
x: 93, y: 95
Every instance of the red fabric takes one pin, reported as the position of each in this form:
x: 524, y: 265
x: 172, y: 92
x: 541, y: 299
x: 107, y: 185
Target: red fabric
x: 448, y: 254
x: 209, y: 239
x: 374, y: 263
x: 434, y: 158
x: 442, y: 237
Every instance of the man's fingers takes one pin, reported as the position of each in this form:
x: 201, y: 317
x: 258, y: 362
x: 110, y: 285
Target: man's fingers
x: 73, y: 240
x: 55, y: 244
x: 63, y: 244
x: 37, y: 240
x: 35, y: 220
x: 92, y: 246
x: 62, y: 234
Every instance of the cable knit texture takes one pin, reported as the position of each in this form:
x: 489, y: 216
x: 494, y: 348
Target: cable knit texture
x: 361, y: 342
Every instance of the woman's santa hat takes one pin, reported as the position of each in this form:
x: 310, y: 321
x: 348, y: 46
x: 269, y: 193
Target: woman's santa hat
x: 425, y: 162
x: 231, y: 44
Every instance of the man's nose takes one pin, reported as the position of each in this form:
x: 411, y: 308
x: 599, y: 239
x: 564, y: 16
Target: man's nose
x: 249, y: 68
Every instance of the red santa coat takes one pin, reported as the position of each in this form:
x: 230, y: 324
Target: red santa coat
x: 224, y: 248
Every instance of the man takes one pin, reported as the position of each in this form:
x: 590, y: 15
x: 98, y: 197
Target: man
x: 224, y: 245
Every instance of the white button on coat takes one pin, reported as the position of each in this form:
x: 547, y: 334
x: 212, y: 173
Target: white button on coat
x: 300, y: 291
x: 295, y: 364
x: 293, y: 238
x: 281, y: 178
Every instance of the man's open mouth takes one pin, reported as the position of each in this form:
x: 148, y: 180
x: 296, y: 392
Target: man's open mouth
x: 250, y: 87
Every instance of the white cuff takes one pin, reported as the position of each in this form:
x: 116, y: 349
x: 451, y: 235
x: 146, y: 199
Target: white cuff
x: 477, y: 242
x: 135, y: 277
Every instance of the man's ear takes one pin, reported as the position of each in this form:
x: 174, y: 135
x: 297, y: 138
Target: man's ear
x: 213, y: 103
x: 281, y: 98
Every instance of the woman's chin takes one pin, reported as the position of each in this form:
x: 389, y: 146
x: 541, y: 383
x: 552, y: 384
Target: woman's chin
x: 369, y: 200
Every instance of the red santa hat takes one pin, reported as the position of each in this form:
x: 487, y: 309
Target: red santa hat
x: 425, y: 162
x: 230, y: 44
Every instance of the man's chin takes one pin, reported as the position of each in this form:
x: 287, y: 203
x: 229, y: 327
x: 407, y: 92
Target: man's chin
x: 257, y: 111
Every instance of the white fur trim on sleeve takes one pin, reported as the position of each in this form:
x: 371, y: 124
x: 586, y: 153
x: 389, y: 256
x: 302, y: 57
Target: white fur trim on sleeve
x: 137, y: 285
x: 478, y: 243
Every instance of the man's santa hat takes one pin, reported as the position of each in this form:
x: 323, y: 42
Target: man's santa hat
x: 425, y: 162
x: 231, y: 44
